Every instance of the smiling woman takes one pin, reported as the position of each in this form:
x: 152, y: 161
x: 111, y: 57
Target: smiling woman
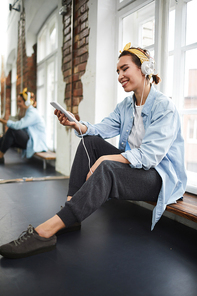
x: 147, y: 166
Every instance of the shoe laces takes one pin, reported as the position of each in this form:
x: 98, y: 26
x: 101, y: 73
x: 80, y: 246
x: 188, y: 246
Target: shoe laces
x: 24, y: 235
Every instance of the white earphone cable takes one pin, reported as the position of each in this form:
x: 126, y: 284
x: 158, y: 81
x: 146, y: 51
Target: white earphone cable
x: 89, y: 164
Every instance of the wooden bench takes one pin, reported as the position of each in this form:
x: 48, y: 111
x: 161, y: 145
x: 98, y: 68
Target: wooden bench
x: 186, y: 208
x: 49, y: 155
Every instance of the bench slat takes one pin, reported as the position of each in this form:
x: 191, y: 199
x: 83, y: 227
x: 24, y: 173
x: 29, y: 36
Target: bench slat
x: 186, y: 208
x: 49, y: 155
x: 46, y: 155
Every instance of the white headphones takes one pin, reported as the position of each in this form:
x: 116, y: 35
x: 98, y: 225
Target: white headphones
x: 27, y: 102
x: 148, y: 67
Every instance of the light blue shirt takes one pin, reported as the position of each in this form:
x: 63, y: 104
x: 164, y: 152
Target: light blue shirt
x: 162, y: 147
x: 35, y: 127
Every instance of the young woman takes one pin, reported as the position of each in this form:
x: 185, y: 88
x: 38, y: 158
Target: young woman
x: 148, y: 166
x: 28, y: 133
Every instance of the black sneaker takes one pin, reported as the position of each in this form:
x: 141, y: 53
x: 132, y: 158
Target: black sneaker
x: 29, y: 243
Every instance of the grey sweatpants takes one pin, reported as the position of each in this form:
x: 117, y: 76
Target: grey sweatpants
x: 110, y: 180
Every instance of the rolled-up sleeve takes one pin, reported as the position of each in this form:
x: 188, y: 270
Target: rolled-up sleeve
x: 109, y: 127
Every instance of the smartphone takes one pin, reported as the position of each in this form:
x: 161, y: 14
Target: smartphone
x: 66, y: 113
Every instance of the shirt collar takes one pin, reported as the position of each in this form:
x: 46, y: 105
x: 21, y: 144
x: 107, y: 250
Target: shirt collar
x: 149, y: 101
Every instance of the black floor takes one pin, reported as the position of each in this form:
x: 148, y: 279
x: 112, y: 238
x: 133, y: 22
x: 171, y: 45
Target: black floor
x: 115, y: 253
x: 17, y: 167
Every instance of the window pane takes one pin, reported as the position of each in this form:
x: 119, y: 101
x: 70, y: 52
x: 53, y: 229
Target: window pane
x: 148, y: 32
x: 41, y: 101
x: 13, y: 91
x: 138, y: 27
x: 190, y: 91
x: 50, y: 118
x: 190, y: 118
x: 190, y: 136
x: 40, y: 76
x: 170, y: 76
x: 191, y: 24
x: 13, y: 99
x: 171, y: 30
x: 42, y: 45
x: 47, y: 77
x: 52, y: 38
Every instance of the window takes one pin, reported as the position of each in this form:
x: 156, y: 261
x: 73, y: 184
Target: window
x: 47, y: 77
x: 192, y: 130
x: 47, y: 39
x: 137, y: 25
x: 182, y: 69
x: 13, y: 90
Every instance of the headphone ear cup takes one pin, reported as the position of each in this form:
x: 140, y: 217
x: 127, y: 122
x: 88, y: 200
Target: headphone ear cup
x: 147, y: 67
x: 27, y: 102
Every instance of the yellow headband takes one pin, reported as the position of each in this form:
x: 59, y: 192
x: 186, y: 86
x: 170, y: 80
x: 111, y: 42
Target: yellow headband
x: 139, y: 53
x: 24, y: 94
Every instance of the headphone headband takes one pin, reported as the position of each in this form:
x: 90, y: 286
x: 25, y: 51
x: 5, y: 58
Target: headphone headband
x: 137, y: 51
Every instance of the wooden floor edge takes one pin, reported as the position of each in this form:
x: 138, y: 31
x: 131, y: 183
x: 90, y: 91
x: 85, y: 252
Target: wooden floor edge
x: 31, y: 179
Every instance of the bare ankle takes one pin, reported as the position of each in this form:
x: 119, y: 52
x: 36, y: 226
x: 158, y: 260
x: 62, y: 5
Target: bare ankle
x: 69, y: 198
x: 42, y: 231
x: 50, y: 227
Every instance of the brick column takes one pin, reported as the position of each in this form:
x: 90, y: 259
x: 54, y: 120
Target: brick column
x: 75, y: 52
x: 26, y: 66
x: 5, y: 88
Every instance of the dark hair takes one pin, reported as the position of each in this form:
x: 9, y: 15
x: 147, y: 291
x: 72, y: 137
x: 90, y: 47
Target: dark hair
x: 21, y: 95
x: 155, y: 78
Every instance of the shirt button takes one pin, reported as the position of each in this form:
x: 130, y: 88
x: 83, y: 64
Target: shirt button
x: 122, y: 143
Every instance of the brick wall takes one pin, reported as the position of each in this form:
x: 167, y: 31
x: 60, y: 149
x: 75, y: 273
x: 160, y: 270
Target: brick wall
x: 75, y: 52
x: 5, y: 86
x: 8, y: 96
x: 2, y: 83
x: 26, y: 77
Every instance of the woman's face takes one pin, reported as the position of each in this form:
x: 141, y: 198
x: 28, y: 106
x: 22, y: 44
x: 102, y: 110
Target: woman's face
x: 129, y: 75
x: 20, y: 103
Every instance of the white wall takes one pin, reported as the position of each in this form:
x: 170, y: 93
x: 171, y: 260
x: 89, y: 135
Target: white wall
x: 105, y: 57
x: 64, y: 142
x: 99, y: 86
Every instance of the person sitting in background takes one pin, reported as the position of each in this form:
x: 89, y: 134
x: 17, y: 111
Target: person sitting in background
x: 28, y: 133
